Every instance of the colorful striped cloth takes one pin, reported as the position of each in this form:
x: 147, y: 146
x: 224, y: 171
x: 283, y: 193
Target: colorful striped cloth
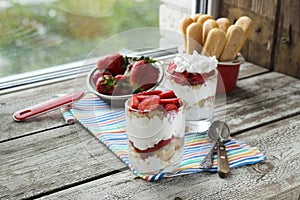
x: 108, y: 126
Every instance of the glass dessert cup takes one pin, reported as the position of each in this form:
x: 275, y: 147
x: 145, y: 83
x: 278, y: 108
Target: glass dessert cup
x: 155, y: 138
x: 198, y: 90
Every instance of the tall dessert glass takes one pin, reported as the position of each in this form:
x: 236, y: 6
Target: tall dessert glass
x: 155, y: 137
x: 194, y: 79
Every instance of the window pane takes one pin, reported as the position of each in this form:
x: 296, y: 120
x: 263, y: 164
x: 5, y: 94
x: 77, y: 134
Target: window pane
x: 36, y: 34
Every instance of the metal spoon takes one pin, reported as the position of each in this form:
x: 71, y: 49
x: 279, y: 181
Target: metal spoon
x: 224, y: 133
x: 214, y: 136
x: 218, y: 132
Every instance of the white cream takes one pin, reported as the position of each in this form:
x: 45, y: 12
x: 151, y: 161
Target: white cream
x: 145, y: 131
x: 194, y: 63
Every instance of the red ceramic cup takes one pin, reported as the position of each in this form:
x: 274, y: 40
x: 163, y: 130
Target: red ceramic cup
x: 228, y: 75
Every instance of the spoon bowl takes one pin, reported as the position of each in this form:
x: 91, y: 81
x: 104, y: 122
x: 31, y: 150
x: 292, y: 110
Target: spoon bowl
x: 218, y: 132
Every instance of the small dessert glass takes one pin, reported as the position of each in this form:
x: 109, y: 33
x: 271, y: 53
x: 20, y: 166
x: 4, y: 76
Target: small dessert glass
x: 198, y: 91
x: 155, y: 139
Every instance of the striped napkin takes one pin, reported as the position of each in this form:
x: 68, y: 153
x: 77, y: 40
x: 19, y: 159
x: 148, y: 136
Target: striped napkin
x: 108, y: 126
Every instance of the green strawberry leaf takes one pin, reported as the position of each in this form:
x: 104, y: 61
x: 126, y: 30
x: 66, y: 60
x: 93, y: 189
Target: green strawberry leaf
x: 147, y: 58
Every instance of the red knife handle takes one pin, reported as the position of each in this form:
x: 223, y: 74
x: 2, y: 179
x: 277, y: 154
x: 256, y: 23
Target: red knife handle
x: 46, y: 106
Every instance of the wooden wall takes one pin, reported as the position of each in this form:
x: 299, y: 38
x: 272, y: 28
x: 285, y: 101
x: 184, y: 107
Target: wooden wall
x: 287, y: 54
x: 273, y: 42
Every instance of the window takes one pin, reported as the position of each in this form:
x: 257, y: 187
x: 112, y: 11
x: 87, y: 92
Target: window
x: 46, y: 35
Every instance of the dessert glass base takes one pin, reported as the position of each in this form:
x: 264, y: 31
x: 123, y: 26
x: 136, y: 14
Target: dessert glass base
x: 200, y: 126
x: 165, y: 159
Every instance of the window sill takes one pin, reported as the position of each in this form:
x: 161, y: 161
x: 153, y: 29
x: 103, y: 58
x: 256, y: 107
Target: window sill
x: 63, y: 72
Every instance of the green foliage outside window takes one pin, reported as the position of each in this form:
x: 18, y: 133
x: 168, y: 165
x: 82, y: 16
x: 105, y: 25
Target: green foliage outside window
x: 35, y: 36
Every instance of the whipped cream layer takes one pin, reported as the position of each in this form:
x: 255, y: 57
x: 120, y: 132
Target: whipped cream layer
x: 199, y: 99
x: 194, y: 63
x: 146, y: 130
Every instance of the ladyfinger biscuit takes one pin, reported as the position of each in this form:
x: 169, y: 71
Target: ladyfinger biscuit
x: 184, y: 23
x: 234, y: 37
x: 214, y: 43
x: 223, y: 23
x: 203, y: 18
x: 207, y: 26
x: 246, y: 24
x: 194, y: 37
x: 196, y: 16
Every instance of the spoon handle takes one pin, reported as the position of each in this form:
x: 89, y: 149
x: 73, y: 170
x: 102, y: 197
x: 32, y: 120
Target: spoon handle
x: 208, y: 160
x: 223, y: 167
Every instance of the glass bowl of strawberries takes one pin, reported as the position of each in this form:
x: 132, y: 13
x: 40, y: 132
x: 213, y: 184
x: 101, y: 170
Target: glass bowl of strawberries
x: 116, y: 77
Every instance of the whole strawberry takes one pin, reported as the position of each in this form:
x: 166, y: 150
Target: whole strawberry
x: 114, y: 63
x: 143, y: 75
x: 106, y: 84
x: 98, y: 73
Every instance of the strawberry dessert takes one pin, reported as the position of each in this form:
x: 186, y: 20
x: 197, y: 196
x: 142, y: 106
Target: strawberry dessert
x: 155, y: 124
x: 193, y: 77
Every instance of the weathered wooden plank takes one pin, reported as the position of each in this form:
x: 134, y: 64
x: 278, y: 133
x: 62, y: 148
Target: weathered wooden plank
x: 52, y: 159
x: 249, y: 69
x: 276, y: 178
x: 12, y: 102
x: 262, y: 99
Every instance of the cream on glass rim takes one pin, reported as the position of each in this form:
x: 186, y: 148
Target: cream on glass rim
x: 193, y: 77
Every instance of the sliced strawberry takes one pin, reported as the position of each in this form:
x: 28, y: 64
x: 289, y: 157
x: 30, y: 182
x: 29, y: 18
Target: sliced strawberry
x: 170, y: 107
x: 167, y: 94
x: 142, y: 97
x: 156, y: 147
x: 196, y: 79
x: 151, y: 92
x: 169, y: 101
x: 180, y: 78
x: 145, y: 94
x: 171, y: 67
x: 134, y: 102
x: 209, y: 74
x: 150, y: 103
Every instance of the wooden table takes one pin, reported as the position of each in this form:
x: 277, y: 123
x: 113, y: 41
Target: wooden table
x: 46, y: 158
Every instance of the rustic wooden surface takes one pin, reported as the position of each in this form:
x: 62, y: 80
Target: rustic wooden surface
x: 278, y: 174
x: 44, y: 158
